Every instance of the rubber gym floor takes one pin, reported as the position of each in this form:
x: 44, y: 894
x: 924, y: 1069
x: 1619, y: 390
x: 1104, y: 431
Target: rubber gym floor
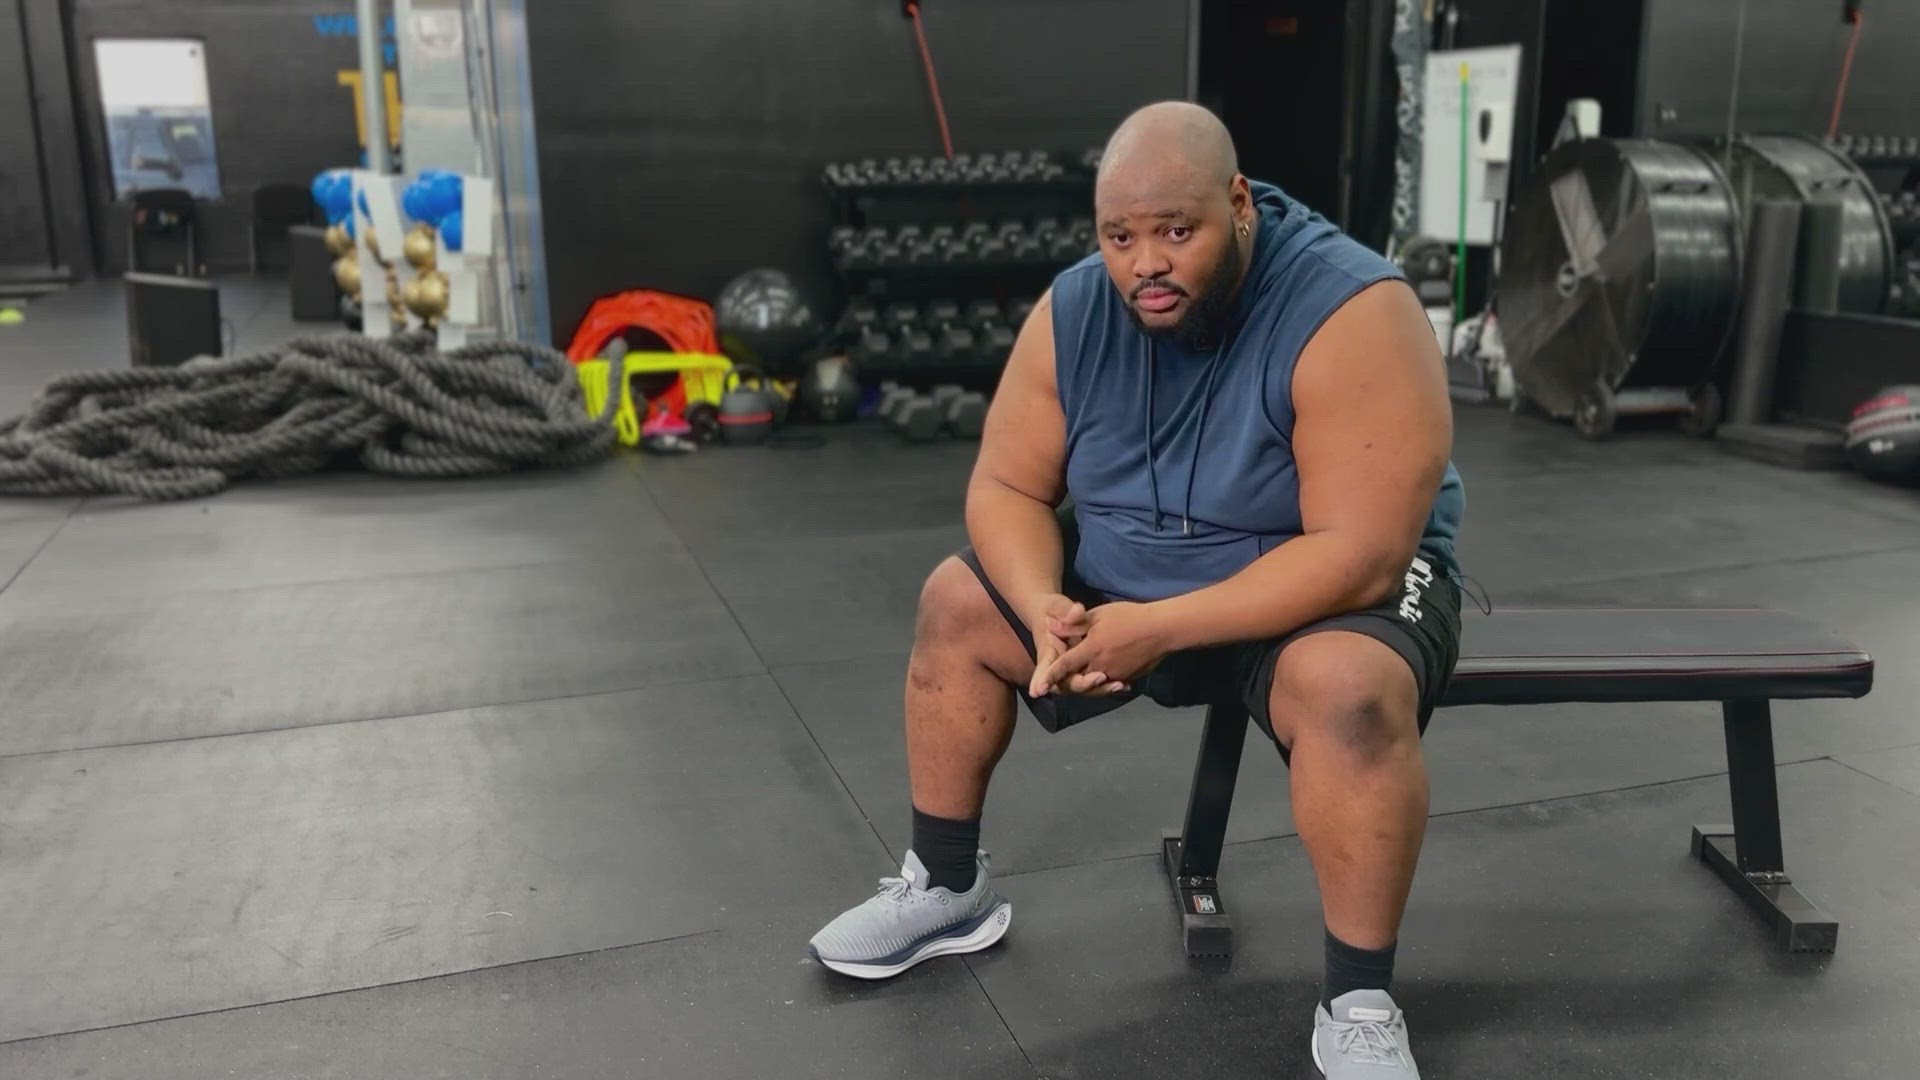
x: 553, y: 775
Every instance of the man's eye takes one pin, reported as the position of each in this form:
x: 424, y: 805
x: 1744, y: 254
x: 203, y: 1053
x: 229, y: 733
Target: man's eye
x: 1179, y: 232
x: 1118, y: 239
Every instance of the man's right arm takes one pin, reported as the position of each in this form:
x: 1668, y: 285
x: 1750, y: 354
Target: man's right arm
x: 1020, y: 474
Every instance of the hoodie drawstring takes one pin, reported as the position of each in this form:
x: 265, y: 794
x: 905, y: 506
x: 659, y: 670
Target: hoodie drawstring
x: 1193, y: 466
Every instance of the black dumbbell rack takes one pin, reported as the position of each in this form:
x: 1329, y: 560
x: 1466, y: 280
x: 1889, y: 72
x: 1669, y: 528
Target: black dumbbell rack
x: 1879, y: 151
x: 941, y: 259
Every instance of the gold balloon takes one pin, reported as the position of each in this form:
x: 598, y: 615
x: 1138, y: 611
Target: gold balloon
x: 419, y: 247
x: 427, y: 295
x: 393, y: 295
x: 410, y: 294
x: 338, y: 242
x: 346, y: 274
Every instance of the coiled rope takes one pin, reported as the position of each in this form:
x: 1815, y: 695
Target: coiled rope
x: 395, y: 406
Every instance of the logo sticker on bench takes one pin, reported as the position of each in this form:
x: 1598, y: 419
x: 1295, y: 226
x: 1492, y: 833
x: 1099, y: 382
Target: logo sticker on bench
x: 1204, y: 904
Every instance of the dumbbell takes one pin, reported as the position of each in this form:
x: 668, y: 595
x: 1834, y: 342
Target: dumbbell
x: 993, y: 340
x: 872, y: 347
x: 992, y: 249
x: 1064, y: 248
x: 965, y: 415
x: 842, y: 238
x: 915, y: 418
x: 901, y: 314
x: 924, y: 251
x: 953, y: 341
x: 860, y: 314
x: 1019, y: 310
x: 948, y: 410
x: 913, y: 345
x: 859, y: 255
x: 983, y: 311
x: 891, y: 399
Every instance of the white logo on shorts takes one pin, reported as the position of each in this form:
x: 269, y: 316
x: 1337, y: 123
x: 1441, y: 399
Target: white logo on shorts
x: 1419, y: 576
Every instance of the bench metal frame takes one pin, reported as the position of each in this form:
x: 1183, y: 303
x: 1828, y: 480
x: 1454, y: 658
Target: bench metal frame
x: 1746, y: 679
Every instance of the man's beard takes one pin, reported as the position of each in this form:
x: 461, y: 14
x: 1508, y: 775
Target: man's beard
x: 1199, y: 329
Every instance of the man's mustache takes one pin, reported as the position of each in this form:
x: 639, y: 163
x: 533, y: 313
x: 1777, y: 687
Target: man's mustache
x: 1164, y: 286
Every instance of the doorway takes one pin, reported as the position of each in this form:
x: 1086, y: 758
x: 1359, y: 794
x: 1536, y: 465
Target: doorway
x: 1307, y: 89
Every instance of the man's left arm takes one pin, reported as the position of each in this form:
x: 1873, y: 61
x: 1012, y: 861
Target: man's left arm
x: 1373, y: 429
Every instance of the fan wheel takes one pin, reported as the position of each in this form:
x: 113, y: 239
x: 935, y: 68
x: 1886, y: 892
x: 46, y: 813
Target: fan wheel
x: 1704, y: 420
x: 1593, y: 412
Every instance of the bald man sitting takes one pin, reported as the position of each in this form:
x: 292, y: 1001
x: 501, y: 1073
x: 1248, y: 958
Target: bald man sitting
x: 1250, y: 413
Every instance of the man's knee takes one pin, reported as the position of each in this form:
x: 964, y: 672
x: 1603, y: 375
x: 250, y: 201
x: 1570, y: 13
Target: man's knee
x: 1347, y: 692
x: 953, y: 603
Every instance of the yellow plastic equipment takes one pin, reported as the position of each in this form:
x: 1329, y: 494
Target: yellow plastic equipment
x: 703, y: 378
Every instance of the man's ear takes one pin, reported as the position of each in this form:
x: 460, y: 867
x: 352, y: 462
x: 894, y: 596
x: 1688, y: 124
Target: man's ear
x: 1240, y: 197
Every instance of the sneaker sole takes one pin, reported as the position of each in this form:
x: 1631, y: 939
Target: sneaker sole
x: 1315, y: 1044
x: 985, y: 936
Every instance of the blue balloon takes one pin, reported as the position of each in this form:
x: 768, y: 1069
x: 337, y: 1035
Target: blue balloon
x: 333, y: 191
x: 453, y: 229
x: 445, y: 192
x: 353, y: 226
x: 363, y: 205
x: 414, y: 200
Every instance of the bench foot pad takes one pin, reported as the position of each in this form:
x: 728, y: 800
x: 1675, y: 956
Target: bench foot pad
x: 1205, y: 928
x: 1798, y: 925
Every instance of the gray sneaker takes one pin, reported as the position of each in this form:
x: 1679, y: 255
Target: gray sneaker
x: 905, y: 923
x: 1365, y: 1038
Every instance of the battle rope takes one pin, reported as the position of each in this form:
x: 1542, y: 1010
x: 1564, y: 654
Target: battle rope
x: 395, y: 406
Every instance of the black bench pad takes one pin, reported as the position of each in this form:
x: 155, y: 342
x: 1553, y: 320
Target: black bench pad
x: 1531, y: 656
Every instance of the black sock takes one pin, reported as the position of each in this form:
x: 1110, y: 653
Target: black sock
x: 1349, y: 968
x: 946, y: 848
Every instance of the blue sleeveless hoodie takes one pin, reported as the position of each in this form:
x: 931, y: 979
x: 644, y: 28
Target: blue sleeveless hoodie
x: 1180, y: 464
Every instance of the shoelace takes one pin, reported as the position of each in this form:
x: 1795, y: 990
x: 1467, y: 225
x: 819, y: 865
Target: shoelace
x: 895, y: 888
x: 1368, y: 1042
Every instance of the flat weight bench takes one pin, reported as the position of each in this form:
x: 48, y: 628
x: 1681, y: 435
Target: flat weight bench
x: 1742, y: 658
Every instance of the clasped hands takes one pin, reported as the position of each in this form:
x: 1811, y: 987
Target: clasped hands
x: 1093, y: 652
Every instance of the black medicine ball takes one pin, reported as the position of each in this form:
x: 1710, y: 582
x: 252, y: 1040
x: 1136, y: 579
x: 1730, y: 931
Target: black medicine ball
x: 764, y: 320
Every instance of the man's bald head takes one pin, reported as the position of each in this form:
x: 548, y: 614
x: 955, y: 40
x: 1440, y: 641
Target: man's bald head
x: 1172, y: 137
x: 1176, y: 218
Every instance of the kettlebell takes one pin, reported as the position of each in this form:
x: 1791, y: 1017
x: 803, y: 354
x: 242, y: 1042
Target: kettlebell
x: 829, y: 389
x: 747, y: 411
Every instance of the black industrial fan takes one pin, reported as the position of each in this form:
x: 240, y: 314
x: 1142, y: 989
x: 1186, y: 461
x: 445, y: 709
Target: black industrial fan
x: 1619, y: 283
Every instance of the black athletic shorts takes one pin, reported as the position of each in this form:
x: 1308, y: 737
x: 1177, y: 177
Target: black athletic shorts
x: 1421, y: 623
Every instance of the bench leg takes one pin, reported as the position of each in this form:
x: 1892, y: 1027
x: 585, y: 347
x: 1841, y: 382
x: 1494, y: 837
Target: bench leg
x: 1192, y: 856
x: 1748, y: 853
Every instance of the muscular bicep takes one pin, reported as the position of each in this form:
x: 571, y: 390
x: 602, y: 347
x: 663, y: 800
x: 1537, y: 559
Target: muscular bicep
x: 1023, y: 446
x: 1373, y: 426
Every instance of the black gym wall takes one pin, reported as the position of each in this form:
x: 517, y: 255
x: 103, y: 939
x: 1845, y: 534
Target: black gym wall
x: 1666, y: 67
x: 280, y: 112
x: 24, y: 240
x: 681, y: 141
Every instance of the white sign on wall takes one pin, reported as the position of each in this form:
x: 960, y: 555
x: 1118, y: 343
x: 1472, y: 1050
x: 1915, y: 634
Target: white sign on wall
x: 1492, y: 91
x: 159, y: 116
